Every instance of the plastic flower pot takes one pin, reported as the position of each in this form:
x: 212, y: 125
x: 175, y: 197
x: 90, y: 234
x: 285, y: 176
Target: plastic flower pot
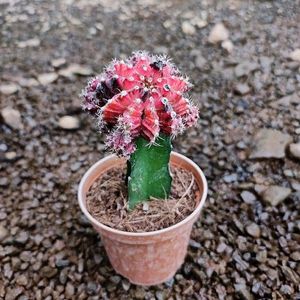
x: 147, y: 258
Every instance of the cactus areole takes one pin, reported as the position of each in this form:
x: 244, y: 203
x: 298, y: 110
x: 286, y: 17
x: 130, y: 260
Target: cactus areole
x: 141, y: 104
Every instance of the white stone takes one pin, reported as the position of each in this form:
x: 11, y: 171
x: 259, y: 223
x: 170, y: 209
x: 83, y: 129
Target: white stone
x: 218, y: 34
x: 275, y: 194
x: 188, y: 28
x: 253, y: 229
x: 295, y: 150
x: 68, y: 122
x: 227, y: 45
x: 75, y: 69
x: 3, y: 233
x: 47, y: 78
x: 269, y: 143
x: 295, y: 55
x: 12, y: 117
x: 9, y: 89
x: 28, y: 82
x: 57, y: 62
x: 29, y: 43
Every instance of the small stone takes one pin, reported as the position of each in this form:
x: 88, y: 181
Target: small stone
x: 227, y: 45
x: 242, y: 290
x: 261, y: 256
x: 221, y: 247
x: 22, y: 237
x: 48, y: 272
x: 253, y: 230
x: 245, y: 68
x: 58, y: 62
x: 295, y: 150
x: 22, y: 280
x: 188, y: 28
x: 68, y: 123
x: 295, y: 55
x: 230, y: 178
x: 61, y: 263
x: 295, y: 256
x: 125, y: 285
x: 69, y: 290
x: 275, y: 194
x: 145, y: 206
x: 115, y: 279
x: 248, y: 197
x: 218, y: 34
x: 194, y: 244
x: 11, y: 155
x: 12, y: 117
x: 13, y: 293
x: 75, y: 69
x: 29, y: 43
x: 92, y: 288
x: 242, y: 89
x: 4, y: 182
x: 269, y: 143
x: 3, y: 233
x: 28, y: 82
x: 200, y: 61
x: 47, y: 78
x: 8, y: 89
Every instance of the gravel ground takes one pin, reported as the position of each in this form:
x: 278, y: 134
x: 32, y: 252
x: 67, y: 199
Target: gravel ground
x: 247, y: 83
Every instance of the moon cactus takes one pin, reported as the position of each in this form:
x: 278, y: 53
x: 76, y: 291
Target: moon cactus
x: 142, y: 104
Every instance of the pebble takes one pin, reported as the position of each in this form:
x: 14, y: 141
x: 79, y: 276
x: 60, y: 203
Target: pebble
x: 269, y: 143
x: 218, y: 34
x: 126, y: 285
x: 22, y: 237
x: 69, y: 123
x: 295, y: 55
x: 58, y: 62
x: 13, y: 293
x: 69, y: 291
x: 275, y: 194
x: 10, y: 155
x: 48, y: 272
x: 4, y: 182
x: 230, y: 178
x: 227, y: 45
x: 242, y: 89
x: 248, y: 197
x: 3, y: 233
x: 47, y: 78
x: 188, y: 28
x: 29, y: 43
x: 12, y: 117
x: 245, y: 68
x: 9, y: 89
x: 253, y: 230
x: 28, y: 82
x: 295, y: 150
x: 75, y: 69
x: 295, y: 256
x: 261, y: 256
x: 242, y: 290
x: 194, y: 244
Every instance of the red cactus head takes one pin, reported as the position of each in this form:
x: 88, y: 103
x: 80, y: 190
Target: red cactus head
x: 142, y: 96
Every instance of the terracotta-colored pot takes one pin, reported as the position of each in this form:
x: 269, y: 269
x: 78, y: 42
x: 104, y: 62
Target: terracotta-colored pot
x: 152, y: 257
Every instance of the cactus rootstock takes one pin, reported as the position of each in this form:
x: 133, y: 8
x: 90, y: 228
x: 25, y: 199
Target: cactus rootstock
x: 139, y: 103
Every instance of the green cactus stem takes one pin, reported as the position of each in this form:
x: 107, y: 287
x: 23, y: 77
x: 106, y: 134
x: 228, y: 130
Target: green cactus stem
x: 148, y: 170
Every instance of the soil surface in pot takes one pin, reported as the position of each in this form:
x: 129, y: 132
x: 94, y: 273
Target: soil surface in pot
x: 107, y: 202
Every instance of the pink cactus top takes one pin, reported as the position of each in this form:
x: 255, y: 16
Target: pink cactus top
x: 142, y: 96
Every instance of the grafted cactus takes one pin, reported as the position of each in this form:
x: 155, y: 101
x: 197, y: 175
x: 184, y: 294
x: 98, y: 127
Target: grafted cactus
x: 141, y: 104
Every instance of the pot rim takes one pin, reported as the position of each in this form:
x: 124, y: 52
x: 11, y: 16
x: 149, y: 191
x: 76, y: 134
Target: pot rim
x: 140, y: 234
